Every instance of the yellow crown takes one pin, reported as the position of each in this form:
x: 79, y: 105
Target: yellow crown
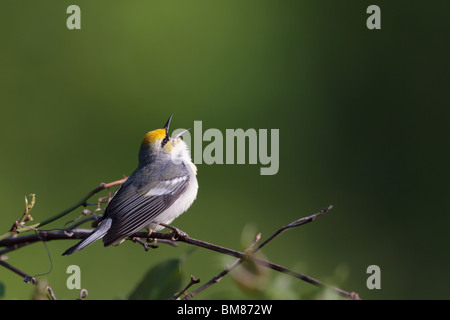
x: 154, y: 136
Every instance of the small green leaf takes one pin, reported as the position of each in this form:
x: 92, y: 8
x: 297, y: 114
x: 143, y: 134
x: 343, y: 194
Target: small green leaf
x: 161, y: 281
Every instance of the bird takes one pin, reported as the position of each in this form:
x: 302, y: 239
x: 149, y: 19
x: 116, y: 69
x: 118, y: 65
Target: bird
x: 163, y: 187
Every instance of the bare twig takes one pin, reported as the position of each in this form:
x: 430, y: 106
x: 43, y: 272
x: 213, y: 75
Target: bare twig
x: 270, y: 265
x: 80, y: 203
x: 192, y: 282
x: 310, y: 280
x: 50, y: 292
x: 294, y: 224
x: 80, y: 222
x: 219, y: 277
x: 26, y: 278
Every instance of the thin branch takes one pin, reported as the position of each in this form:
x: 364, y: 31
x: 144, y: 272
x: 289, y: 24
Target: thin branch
x: 192, y: 282
x: 26, y: 278
x: 80, y: 222
x: 219, y: 277
x: 310, y: 280
x: 50, y: 292
x: 294, y: 224
x: 239, y: 261
x: 80, y: 203
x: 12, y: 248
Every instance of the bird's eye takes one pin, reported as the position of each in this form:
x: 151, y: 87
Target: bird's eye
x: 165, y: 140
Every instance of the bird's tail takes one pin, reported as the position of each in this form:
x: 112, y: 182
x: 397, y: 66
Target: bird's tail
x: 98, y: 233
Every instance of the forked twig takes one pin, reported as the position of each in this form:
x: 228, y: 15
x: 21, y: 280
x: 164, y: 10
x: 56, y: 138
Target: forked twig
x: 192, y: 282
x: 239, y: 261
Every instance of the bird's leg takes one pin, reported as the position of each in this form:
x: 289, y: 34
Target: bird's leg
x: 119, y: 243
x: 144, y: 244
x: 149, y: 233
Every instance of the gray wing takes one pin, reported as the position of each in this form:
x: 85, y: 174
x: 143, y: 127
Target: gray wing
x: 138, y: 202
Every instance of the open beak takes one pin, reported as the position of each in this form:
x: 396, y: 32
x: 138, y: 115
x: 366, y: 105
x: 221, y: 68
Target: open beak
x: 167, y: 125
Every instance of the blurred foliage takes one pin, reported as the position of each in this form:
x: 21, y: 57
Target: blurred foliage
x: 40, y: 291
x: 363, y: 118
x: 160, y: 282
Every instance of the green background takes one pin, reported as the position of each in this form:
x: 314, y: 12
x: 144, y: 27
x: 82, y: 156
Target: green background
x: 363, y: 118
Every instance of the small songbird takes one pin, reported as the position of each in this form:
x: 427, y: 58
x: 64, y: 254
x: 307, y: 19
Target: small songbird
x: 163, y: 186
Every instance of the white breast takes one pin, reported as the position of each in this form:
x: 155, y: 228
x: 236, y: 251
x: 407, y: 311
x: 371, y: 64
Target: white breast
x: 182, y: 203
